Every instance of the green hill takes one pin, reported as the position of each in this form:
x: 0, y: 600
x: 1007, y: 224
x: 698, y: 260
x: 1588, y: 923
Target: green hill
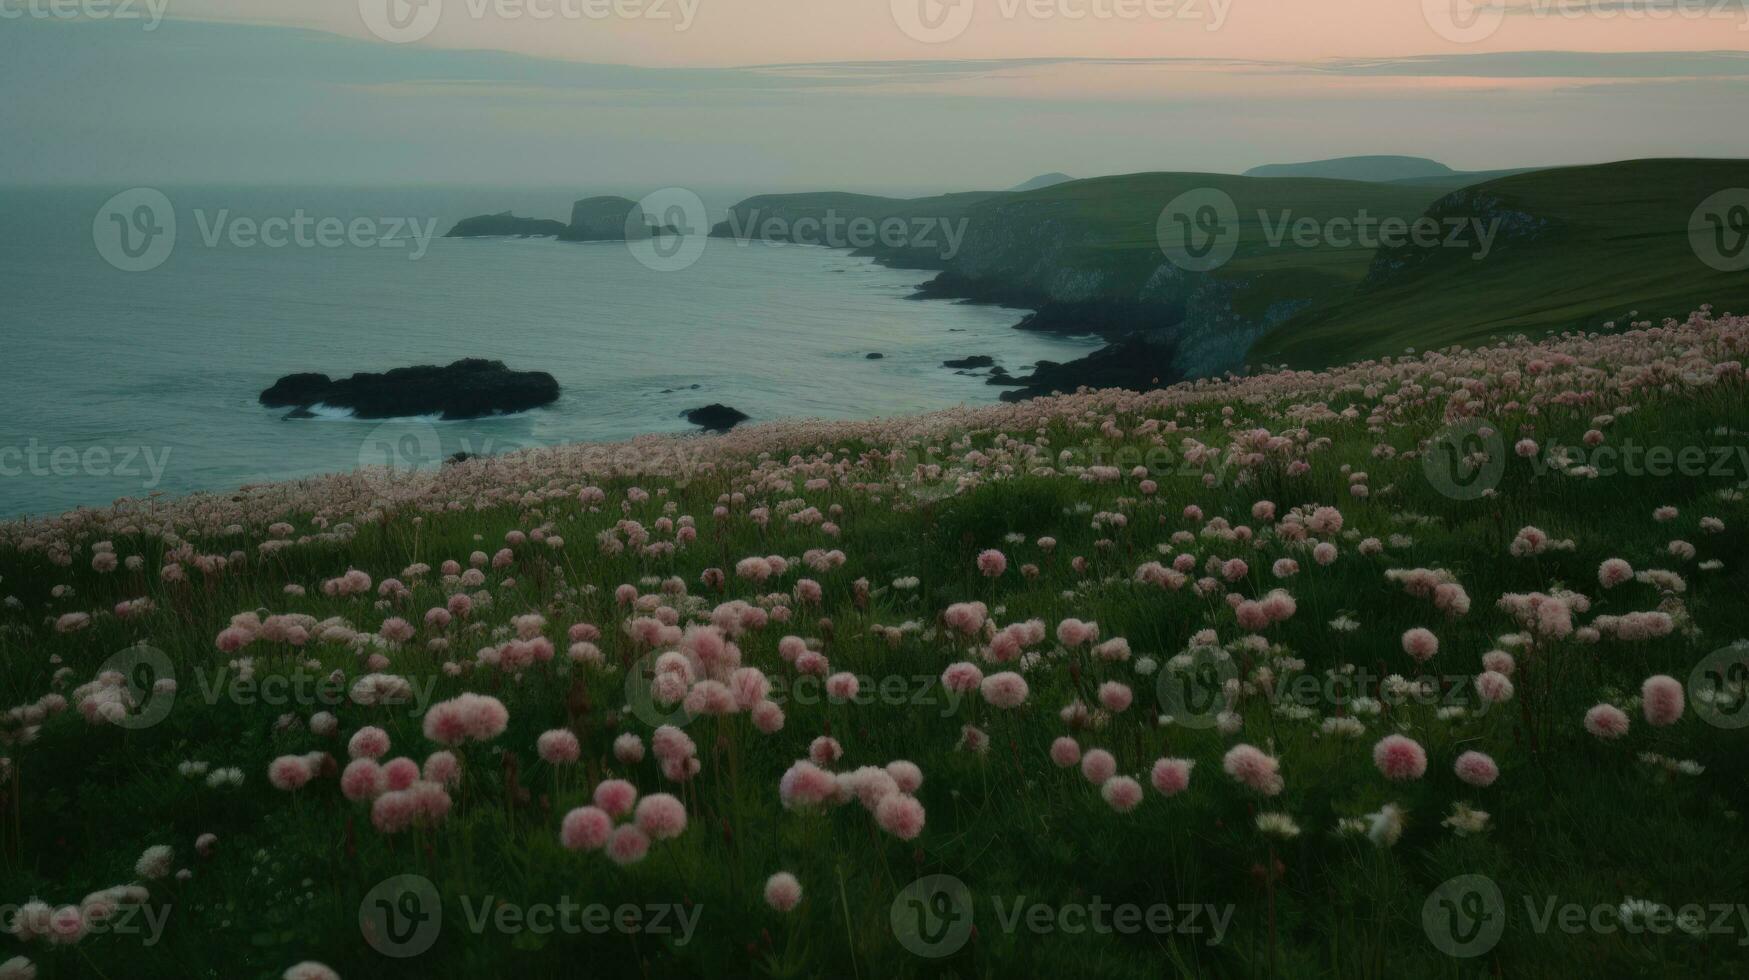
x: 1598, y: 244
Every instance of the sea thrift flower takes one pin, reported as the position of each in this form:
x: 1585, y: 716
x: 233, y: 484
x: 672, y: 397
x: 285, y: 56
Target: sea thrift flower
x: 905, y: 775
x: 615, y: 796
x: 661, y: 816
x: 585, y: 829
x: 558, y: 747
x: 310, y: 970
x: 362, y: 780
x: 782, y: 891
x: 1171, y: 776
x: 1606, y: 721
x: 1065, y: 752
x: 1121, y: 793
x: 289, y: 772
x: 900, y: 815
x: 992, y: 563
x: 1004, y: 690
x: 1400, y: 757
x: 1477, y: 769
x: 368, y: 742
x: 1662, y: 700
x: 1098, y: 765
x: 1252, y: 767
x: 628, y: 844
x: 628, y: 749
x: 1420, y: 644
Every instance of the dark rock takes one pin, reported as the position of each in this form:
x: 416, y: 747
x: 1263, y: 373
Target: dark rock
x: 875, y: 356
x: 505, y: 225
x: 459, y: 458
x: 975, y: 361
x: 715, y: 417
x: 466, y: 389
x: 613, y: 219
x: 1138, y: 362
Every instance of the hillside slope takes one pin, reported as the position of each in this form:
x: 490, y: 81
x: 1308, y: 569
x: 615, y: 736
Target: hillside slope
x: 1593, y: 245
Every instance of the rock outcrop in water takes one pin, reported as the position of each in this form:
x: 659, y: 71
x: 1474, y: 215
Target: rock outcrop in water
x: 506, y: 225
x: 612, y: 219
x: 1138, y: 362
x: 467, y: 389
x: 715, y: 417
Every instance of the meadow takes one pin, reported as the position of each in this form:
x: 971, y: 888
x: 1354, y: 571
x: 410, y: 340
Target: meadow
x: 1428, y: 666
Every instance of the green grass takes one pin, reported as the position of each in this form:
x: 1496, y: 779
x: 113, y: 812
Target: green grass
x: 1571, y: 817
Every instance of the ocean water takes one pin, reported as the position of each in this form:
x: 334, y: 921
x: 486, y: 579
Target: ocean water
x: 121, y: 383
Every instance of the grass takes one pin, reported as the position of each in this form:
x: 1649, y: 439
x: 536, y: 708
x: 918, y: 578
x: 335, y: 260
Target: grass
x: 1573, y: 818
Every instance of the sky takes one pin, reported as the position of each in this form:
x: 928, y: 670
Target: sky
x: 874, y: 95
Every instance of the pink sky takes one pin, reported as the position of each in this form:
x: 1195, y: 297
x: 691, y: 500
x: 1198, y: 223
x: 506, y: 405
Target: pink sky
x: 747, y: 32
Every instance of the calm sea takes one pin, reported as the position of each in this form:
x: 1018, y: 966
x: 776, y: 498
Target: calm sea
x: 124, y: 383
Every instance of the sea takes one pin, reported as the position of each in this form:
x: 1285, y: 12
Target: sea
x: 138, y: 325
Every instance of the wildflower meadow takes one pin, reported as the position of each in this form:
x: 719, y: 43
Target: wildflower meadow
x: 1426, y: 666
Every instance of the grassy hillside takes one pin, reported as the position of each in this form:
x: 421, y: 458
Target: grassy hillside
x: 1615, y: 244
x: 1281, y: 677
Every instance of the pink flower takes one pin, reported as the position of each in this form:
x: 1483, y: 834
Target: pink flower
x: 585, y: 828
x: 309, y: 970
x: 1122, y: 793
x: 825, y: 750
x: 1098, y: 765
x: 1662, y: 700
x: 992, y: 563
x: 962, y: 677
x: 400, y: 773
x: 900, y: 815
x: 1072, y: 633
x: 1606, y: 721
x: 558, y: 747
x: 1400, y: 757
x: 661, y: 816
x: 615, y: 796
x: 1477, y: 769
x: 628, y: 749
x: 1250, y: 765
x: 362, y: 780
x: 1115, y: 697
x: 805, y: 784
x: 966, y: 618
x: 768, y: 717
x: 628, y: 844
x: 396, y: 629
x: 1172, y: 776
x: 1420, y: 644
x: 1493, y: 686
x: 1065, y: 752
x: 369, y: 742
x: 443, y: 768
x: 905, y: 775
x: 1004, y: 690
x: 1614, y: 572
x: 842, y: 686
x: 289, y: 772
x: 782, y: 891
